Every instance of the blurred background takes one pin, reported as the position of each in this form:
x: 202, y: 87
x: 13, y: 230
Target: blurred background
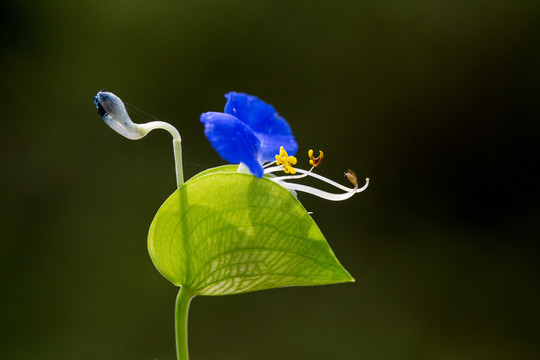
x: 435, y: 101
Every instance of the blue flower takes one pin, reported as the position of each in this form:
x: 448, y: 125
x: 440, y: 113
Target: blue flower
x: 250, y: 131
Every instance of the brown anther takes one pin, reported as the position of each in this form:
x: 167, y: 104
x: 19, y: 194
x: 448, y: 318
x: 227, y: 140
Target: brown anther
x: 351, y: 176
x: 315, y: 161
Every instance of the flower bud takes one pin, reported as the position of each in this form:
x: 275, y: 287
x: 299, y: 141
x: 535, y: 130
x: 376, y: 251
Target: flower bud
x: 113, y: 112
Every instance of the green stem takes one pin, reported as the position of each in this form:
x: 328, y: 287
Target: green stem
x: 144, y: 129
x: 177, y: 145
x: 182, y: 308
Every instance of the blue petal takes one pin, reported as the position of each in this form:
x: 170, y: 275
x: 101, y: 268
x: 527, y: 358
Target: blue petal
x: 233, y: 140
x: 263, y: 120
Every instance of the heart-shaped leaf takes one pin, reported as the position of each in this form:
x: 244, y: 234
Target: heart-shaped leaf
x: 225, y: 232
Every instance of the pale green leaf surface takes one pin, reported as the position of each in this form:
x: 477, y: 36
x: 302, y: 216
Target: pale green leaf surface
x: 227, y: 233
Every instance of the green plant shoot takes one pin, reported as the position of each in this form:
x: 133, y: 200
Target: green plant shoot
x: 237, y: 228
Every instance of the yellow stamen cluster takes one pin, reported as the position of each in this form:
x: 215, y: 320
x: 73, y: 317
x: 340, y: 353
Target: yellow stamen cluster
x: 315, y: 161
x: 287, y: 161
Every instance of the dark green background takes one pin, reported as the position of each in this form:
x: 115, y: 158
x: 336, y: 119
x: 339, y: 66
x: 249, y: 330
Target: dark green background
x: 435, y: 101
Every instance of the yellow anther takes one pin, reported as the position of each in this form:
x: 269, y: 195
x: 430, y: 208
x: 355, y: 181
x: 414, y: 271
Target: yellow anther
x: 351, y: 176
x: 287, y: 161
x: 315, y: 161
x: 282, y: 154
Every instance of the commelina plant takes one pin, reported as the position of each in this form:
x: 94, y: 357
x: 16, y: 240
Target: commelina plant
x: 237, y: 228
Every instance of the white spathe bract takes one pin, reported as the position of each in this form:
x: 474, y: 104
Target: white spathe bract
x: 113, y: 112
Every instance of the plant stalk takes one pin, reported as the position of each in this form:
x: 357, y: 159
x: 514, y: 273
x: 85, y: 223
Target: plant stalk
x: 144, y: 129
x: 177, y: 145
x: 181, y: 323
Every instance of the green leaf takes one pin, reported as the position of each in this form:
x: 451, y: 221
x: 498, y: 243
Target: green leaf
x: 227, y: 233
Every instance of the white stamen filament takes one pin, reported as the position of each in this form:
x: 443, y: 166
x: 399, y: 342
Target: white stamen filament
x: 273, y: 169
x: 267, y: 165
x: 317, y: 192
x: 315, y: 175
x: 293, y: 177
x: 314, y: 191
